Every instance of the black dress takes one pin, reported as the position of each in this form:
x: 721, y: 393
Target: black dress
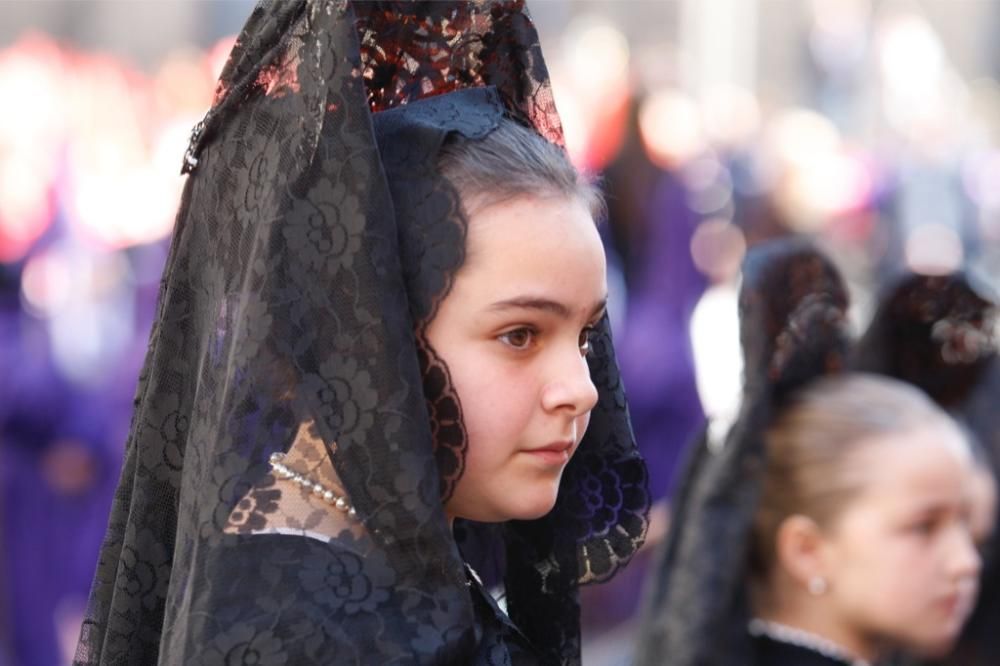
x: 770, y: 652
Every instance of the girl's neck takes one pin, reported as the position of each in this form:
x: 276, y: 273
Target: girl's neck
x: 784, y: 602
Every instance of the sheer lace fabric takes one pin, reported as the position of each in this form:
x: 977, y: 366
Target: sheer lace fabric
x: 310, y: 251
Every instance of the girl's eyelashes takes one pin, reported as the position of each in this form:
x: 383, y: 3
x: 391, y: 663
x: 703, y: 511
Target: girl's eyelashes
x: 524, y: 338
x: 932, y: 523
x: 925, y: 527
x: 586, y: 340
x: 518, y: 338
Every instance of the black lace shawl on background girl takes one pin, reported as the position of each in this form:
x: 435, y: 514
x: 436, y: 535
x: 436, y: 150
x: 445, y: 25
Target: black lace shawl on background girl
x: 937, y: 333
x: 793, y: 329
x: 313, y: 244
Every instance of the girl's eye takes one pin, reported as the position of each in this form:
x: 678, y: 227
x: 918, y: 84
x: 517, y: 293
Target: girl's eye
x: 585, y: 340
x: 519, y: 338
x: 924, y: 527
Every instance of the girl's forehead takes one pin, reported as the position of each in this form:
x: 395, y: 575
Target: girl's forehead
x: 930, y: 437
x: 531, y: 218
x: 546, y: 247
x: 904, y: 468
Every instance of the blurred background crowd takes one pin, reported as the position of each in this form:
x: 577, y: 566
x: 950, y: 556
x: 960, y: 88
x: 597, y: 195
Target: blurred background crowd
x: 871, y: 125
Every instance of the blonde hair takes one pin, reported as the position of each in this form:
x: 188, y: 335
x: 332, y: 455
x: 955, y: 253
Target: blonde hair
x: 811, y: 448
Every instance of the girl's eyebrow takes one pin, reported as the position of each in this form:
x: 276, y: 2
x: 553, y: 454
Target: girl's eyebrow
x: 933, y: 508
x: 546, y: 305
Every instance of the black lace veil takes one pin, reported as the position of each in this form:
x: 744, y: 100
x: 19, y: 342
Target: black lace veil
x: 793, y: 329
x: 313, y: 243
x: 933, y: 331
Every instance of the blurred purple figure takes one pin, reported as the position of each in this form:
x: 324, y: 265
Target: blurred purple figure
x: 656, y: 358
x: 649, y: 232
x: 60, y: 447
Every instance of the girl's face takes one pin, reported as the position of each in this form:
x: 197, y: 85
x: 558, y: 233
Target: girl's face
x: 514, y: 332
x: 900, y: 561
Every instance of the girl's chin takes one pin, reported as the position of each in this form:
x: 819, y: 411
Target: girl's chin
x: 939, y: 648
x: 539, y: 505
x: 499, y: 513
x: 535, y: 513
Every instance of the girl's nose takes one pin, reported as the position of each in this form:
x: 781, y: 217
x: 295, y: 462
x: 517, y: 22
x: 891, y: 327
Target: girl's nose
x: 964, y: 558
x: 570, y: 387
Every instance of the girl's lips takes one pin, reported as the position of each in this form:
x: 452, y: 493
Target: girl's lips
x: 553, y: 454
x: 957, y: 606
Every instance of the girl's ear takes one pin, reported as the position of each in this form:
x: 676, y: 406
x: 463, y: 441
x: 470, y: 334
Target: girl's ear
x: 799, y: 548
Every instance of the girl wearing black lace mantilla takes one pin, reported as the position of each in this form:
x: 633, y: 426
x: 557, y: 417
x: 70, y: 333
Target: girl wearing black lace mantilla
x: 382, y: 320
x: 832, y: 527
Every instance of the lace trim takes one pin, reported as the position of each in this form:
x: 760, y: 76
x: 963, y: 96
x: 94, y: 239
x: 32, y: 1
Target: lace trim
x: 782, y: 633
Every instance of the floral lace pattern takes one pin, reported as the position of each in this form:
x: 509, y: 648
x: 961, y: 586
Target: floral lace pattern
x: 276, y: 506
x: 935, y: 331
x: 309, y: 253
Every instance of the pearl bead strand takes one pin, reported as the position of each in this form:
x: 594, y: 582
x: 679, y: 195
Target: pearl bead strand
x: 283, y: 471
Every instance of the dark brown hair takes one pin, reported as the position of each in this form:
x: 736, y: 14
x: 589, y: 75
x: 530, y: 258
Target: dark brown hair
x: 510, y: 162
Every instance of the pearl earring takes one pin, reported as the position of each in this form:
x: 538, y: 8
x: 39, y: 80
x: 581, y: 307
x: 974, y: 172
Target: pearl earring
x: 817, y: 585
